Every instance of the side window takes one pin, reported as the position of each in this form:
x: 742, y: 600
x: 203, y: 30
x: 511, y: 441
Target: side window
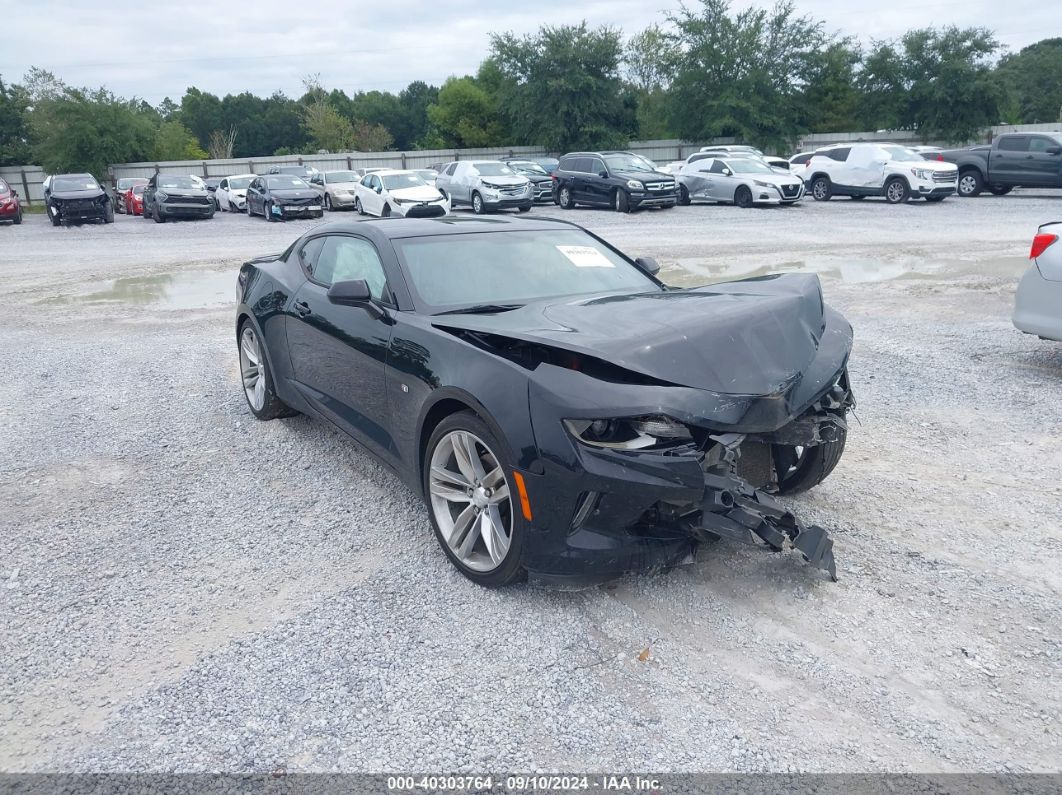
x: 839, y: 154
x: 716, y: 167
x: 597, y: 165
x: 344, y: 259
x: 564, y: 164
x: 1014, y: 143
x: 1041, y: 143
x: 309, y: 253
x: 223, y: 185
x: 451, y: 169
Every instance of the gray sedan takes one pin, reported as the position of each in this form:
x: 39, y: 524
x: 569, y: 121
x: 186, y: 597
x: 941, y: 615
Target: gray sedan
x: 742, y: 181
x: 1038, y: 304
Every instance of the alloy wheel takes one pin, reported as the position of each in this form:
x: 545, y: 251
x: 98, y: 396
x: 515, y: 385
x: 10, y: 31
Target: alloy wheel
x: 252, y: 368
x: 470, y: 499
x: 967, y: 185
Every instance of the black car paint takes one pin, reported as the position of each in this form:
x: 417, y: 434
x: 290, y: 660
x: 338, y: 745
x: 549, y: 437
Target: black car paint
x: 388, y: 376
x: 598, y: 188
x: 260, y: 195
x: 77, y: 206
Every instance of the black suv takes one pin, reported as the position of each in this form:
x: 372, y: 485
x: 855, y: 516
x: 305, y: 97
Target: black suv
x: 74, y: 198
x: 621, y: 180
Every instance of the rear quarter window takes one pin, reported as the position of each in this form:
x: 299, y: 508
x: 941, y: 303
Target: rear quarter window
x: 840, y: 154
x: 1014, y: 143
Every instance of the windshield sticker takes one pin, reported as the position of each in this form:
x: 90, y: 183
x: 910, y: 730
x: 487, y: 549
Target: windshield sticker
x: 585, y: 257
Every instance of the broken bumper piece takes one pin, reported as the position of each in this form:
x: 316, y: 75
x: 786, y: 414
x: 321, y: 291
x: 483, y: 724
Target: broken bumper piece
x: 733, y: 509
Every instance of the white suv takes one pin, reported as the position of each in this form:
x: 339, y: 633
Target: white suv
x: 878, y: 169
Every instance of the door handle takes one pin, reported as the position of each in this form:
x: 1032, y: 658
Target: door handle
x: 302, y: 308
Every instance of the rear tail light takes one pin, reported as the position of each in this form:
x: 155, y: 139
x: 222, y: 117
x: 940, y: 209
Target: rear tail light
x: 1040, y: 244
x: 940, y: 157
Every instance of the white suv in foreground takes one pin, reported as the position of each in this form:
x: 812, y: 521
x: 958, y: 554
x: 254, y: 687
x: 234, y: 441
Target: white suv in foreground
x: 878, y: 169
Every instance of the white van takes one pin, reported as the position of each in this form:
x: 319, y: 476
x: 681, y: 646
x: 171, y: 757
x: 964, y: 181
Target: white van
x: 879, y: 169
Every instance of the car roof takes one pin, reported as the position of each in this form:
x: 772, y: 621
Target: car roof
x: 390, y: 172
x: 400, y: 228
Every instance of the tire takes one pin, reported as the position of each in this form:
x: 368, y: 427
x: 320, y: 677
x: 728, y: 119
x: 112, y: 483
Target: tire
x: 821, y: 189
x: 108, y: 214
x: 743, y: 197
x: 684, y: 196
x: 810, y: 467
x: 1000, y: 190
x: 477, y: 204
x: 357, y: 206
x: 971, y: 183
x: 386, y: 211
x: 524, y: 208
x: 146, y: 213
x: 261, y: 394
x: 897, y: 191
x: 18, y: 217
x: 935, y: 199
x: 476, y: 562
x: 564, y: 198
x: 621, y: 202
x: 157, y: 213
x: 267, y: 211
x: 211, y: 215
x: 328, y: 203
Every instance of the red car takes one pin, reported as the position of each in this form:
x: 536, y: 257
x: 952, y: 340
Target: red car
x: 133, y: 200
x: 10, y: 208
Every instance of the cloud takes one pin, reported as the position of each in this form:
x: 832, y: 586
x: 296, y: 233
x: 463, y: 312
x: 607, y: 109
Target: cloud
x: 271, y: 45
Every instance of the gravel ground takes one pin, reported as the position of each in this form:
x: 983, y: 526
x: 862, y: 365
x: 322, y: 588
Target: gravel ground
x: 184, y: 588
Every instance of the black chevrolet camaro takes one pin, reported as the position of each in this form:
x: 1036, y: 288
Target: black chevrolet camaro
x: 563, y: 413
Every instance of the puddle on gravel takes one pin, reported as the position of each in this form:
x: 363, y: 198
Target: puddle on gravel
x: 690, y: 271
x: 194, y: 289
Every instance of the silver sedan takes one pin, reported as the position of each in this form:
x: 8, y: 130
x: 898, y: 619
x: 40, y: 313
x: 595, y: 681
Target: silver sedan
x: 741, y: 181
x: 1038, y: 304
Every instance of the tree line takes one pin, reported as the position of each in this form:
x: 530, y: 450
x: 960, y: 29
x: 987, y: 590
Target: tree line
x: 762, y: 76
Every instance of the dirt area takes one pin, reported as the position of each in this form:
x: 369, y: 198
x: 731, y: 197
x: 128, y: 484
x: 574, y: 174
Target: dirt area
x: 184, y: 588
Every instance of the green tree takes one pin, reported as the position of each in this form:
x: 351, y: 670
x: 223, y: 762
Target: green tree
x: 649, y: 63
x: 831, y: 99
x: 14, y: 125
x: 173, y: 141
x: 326, y: 128
x: 415, y: 99
x: 562, y: 87
x: 744, y: 74
x: 465, y: 115
x: 951, y: 91
x: 882, y: 88
x: 200, y: 112
x: 1032, y: 80
x: 88, y: 129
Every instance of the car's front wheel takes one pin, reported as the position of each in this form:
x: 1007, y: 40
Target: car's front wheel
x: 258, y: 385
x: 684, y: 196
x: 477, y: 204
x: 468, y: 484
x: 897, y: 191
x: 800, y: 468
x: 743, y: 197
x: 564, y: 198
x: 621, y: 202
x: 821, y: 189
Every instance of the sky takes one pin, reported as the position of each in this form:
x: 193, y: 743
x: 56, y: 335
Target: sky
x: 153, y: 50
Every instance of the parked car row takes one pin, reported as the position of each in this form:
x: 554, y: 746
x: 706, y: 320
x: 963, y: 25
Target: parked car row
x: 10, y: 206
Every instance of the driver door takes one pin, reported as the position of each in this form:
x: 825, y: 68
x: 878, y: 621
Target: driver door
x: 338, y: 353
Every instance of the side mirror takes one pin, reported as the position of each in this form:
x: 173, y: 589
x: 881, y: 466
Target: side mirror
x: 378, y: 189
x: 648, y: 264
x: 352, y: 293
x: 727, y: 172
x: 14, y: 193
x: 603, y: 174
x: 1054, y: 150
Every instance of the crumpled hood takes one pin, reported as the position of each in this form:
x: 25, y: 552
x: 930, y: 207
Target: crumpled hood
x: 421, y: 193
x: 91, y: 193
x: 750, y: 337
x: 294, y: 193
x: 514, y: 180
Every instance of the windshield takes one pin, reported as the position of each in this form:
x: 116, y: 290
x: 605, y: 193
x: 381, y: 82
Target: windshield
x: 452, y: 271
x: 628, y: 163
x: 176, y: 181
x: 527, y: 167
x: 426, y: 174
x: 341, y: 177
x: 125, y: 183
x: 239, y: 183
x: 75, y: 183
x: 903, y: 154
x: 748, y: 166
x: 284, y: 182
x: 400, y: 181
x: 138, y: 190
x: 494, y: 170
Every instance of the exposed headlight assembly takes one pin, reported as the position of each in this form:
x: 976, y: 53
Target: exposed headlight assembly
x: 629, y: 433
x: 161, y: 196
x: 921, y: 173
x: 763, y: 184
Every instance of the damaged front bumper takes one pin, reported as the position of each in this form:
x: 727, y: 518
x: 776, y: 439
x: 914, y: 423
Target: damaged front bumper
x: 634, y: 511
